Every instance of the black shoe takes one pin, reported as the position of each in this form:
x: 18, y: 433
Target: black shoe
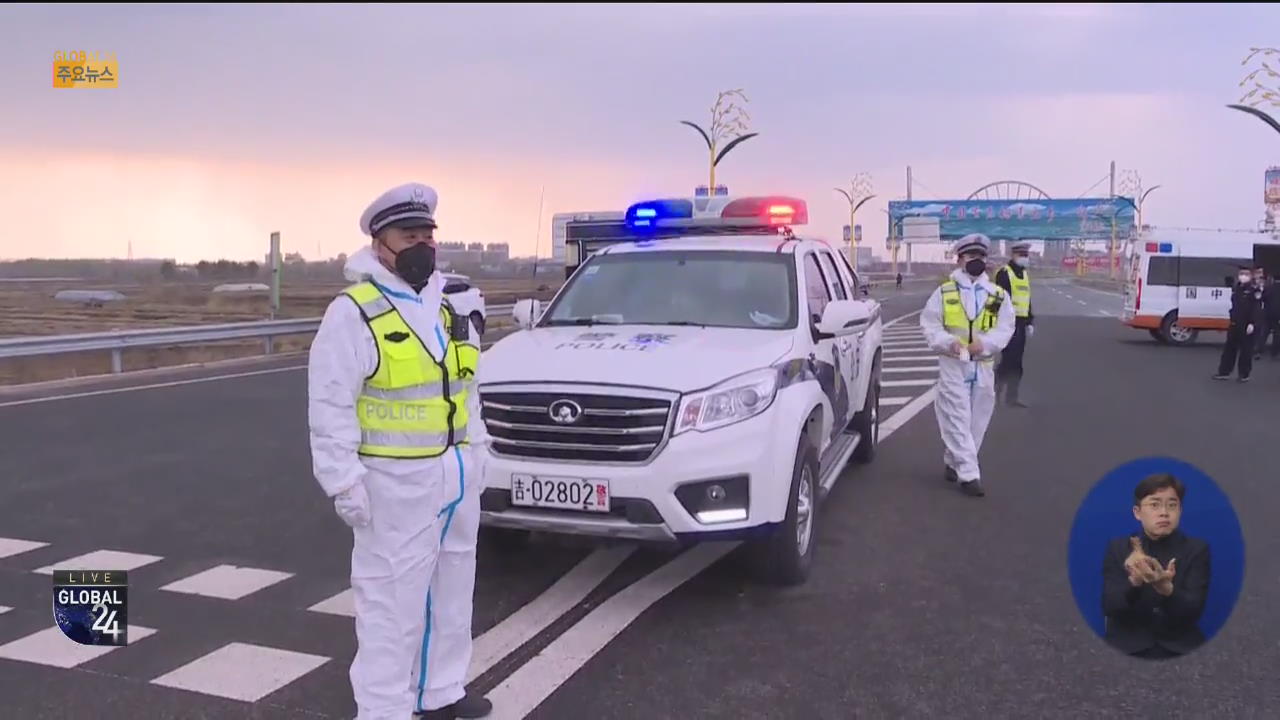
x: 471, y: 706
x: 972, y: 488
x: 950, y: 474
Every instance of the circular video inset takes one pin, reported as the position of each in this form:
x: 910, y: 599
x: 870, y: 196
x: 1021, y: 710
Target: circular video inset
x: 1156, y: 558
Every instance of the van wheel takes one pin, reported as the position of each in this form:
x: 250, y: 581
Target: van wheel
x: 1175, y: 334
x: 1156, y: 334
x: 867, y: 423
x: 786, y: 555
x: 478, y: 320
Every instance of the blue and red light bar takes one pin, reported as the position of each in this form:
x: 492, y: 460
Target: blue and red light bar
x: 1159, y: 247
x: 773, y: 211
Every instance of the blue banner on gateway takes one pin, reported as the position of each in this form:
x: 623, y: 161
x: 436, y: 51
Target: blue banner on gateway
x: 1079, y: 219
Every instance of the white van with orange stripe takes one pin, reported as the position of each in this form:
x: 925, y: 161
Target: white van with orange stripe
x: 1180, y: 279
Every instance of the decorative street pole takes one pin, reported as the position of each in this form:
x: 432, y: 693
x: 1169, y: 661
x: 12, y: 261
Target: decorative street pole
x: 858, y: 194
x: 729, y: 123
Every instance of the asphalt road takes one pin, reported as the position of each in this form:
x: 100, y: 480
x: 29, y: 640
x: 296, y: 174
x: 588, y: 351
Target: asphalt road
x: 923, y: 602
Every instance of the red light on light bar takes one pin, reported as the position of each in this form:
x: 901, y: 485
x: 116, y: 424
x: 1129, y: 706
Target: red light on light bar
x: 772, y: 210
x: 1152, y: 247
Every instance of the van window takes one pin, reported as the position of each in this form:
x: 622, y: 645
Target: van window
x: 1208, y: 272
x: 1162, y: 270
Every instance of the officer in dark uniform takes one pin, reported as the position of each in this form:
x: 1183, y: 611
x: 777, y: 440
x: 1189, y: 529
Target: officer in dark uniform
x: 1017, y: 282
x: 1270, y: 315
x: 1246, y: 319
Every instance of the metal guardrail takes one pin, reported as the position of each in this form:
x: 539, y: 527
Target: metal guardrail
x: 117, y: 341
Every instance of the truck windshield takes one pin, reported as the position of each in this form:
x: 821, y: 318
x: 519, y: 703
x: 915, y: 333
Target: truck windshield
x: 710, y: 288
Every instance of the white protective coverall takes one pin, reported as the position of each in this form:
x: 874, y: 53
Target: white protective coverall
x: 966, y: 394
x: 413, y: 564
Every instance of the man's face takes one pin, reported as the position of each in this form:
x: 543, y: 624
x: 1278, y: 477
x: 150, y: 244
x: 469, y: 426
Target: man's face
x: 396, y: 239
x: 1159, y: 513
x: 970, y: 255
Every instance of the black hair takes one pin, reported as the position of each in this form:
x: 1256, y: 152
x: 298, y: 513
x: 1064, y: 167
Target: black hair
x: 1152, y: 484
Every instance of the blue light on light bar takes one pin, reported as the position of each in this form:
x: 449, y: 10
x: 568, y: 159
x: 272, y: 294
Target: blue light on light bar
x: 1166, y: 247
x: 650, y: 214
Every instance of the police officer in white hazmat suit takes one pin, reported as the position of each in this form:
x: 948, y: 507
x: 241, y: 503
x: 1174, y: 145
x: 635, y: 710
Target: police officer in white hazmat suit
x: 397, y: 442
x: 967, y: 320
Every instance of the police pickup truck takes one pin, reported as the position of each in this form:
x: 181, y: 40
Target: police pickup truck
x: 707, y: 378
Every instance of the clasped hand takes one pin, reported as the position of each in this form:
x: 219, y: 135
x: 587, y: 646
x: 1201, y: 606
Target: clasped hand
x: 1146, y: 570
x: 975, y: 348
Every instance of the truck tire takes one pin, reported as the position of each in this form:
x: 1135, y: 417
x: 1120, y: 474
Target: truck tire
x: 1158, y: 336
x: 1175, y: 334
x: 867, y: 422
x: 786, y: 556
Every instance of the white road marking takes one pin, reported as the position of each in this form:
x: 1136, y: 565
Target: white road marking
x: 522, y: 625
x: 102, y: 560
x: 895, y: 401
x: 344, y: 603
x: 13, y: 546
x: 908, y: 383
x: 899, y: 319
x: 912, y: 369
x: 911, y: 358
x: 4, y: 609
x: 526, y: 688
x: 241, y: 671
x: 227, y: 582
x: 900, y: 418
x: 51, y: 647
x: 175, y: 383
x: 1082, y: 302
x: 906, y: 350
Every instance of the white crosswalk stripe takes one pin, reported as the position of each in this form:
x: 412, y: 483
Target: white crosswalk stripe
x: 14, y: 546
x: 51, y: 647
x: 242, y: 671
x: 102, y: 560
x: 227, y: 582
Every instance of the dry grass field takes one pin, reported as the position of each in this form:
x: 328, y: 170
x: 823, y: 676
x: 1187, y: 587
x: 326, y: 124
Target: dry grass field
x: 29, y: 309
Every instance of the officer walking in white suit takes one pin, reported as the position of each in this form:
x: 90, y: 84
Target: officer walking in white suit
x: 395, y: 437
x: 967, y: 320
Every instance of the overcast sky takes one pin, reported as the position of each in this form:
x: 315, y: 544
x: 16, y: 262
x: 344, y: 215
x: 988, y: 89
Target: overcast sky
x: 231, y: 122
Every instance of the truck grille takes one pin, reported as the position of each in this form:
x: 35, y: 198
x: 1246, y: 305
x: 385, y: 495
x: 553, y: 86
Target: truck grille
x: 609, y: 428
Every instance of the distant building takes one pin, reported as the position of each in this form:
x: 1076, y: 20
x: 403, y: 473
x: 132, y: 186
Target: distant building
x: 496, y: 254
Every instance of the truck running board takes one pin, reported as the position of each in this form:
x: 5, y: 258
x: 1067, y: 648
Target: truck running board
x: 833, y: 461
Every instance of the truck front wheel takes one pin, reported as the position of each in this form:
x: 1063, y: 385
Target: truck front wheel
x: 785, y: 557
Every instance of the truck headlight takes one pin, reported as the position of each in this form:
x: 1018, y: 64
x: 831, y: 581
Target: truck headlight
x: 733, y: 400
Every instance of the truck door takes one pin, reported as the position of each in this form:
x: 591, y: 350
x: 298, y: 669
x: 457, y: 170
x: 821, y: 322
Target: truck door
x: 826, y: 359
x: 849, y: 347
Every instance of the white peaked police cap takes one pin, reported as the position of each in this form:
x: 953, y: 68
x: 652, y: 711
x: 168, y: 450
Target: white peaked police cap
x: 408, y: 205
x: 974, y: 241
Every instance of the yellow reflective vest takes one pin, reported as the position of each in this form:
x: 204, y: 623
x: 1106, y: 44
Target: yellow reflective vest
x: 956, y: 320
x: 1021, y: 291
x: 412, y: 406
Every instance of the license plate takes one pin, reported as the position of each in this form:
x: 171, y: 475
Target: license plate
x: 560, y: 493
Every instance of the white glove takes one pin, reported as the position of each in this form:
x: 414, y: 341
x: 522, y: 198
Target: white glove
x: 1249, y: 330
x: 352, y: 505
x: 1031, y: 330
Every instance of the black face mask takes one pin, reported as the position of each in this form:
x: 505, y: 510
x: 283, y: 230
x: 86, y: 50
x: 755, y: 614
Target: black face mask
x: 975, y: 267
x: 415, y: 264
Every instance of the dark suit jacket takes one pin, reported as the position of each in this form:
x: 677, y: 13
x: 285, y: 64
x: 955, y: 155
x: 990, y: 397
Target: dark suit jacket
x: 1141, y: 618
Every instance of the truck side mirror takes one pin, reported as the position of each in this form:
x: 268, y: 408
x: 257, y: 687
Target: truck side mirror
x: 526, y: 313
